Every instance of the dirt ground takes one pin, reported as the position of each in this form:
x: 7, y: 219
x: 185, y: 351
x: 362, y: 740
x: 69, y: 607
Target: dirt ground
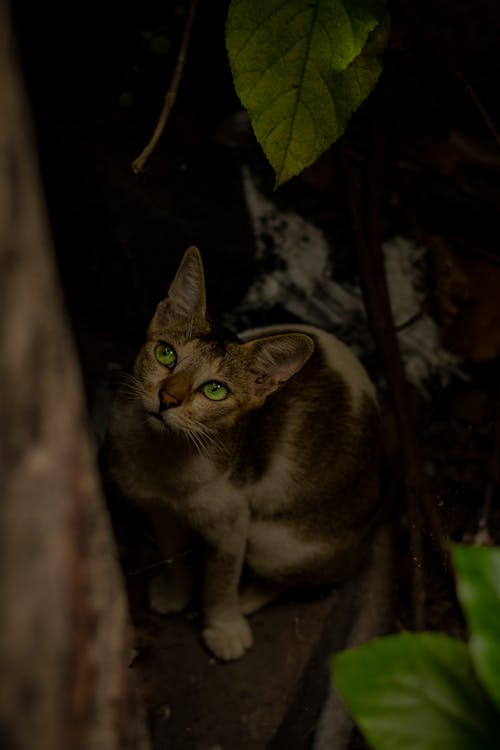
x: 97, y: 74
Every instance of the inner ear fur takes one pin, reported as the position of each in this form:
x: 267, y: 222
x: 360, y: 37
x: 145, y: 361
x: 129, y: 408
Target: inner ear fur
x: 275, y: 359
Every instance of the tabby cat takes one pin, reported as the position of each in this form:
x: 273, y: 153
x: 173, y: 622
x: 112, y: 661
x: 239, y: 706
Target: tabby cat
x: 262, y: 445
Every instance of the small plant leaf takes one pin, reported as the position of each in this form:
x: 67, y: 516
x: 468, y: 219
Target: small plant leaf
x: 417, y: 692
x: 478, y: 588
x: 301, y: 68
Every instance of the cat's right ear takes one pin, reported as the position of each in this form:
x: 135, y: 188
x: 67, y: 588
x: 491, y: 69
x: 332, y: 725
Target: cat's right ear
x: 186, y: 295
x: 275, y: 359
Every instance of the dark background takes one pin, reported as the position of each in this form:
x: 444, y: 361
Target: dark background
x: 96, y: 74
x: 97, y: 83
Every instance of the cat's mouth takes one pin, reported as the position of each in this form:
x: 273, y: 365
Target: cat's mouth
x: 156, y: 417
x: 158, y: 421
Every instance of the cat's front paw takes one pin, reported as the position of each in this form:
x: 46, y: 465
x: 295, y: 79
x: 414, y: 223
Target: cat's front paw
x: 167, y: 597
x: 229, y: 639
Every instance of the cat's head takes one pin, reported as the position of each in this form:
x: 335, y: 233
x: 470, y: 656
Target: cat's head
x: 199, y: 379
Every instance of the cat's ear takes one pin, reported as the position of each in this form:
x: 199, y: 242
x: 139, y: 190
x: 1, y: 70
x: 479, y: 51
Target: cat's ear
x: 275, y: 359
x: 186, y: 295
x: 187, y: 291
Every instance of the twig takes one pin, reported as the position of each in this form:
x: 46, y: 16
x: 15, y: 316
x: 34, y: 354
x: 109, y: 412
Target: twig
x: 423, y: 310
x: 455, y: 71
x: 473, y: 151
x: 476, y: 251
x: 171, y: 95
x: 469, y: 90
x: 414, y: 464
x: 376, y: 296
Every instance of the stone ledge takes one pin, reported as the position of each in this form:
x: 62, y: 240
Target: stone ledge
x: 270, y: 699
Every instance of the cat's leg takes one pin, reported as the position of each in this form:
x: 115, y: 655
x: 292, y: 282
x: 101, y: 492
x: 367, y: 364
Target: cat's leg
x: 223, y: 520
x: 171, y: 590
x: 257, y: 594
x: 227, y: 633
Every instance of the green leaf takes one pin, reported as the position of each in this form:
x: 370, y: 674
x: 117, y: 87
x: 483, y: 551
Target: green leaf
x: 417, y: 692
x: 478, y: 589
x: 301, y: 68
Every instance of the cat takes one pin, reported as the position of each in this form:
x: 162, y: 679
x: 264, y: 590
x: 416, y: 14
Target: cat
x: 264, y: 445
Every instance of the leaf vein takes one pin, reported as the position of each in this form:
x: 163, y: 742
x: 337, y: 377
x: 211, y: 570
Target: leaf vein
x: 300, y: 84
x: 261, y: 23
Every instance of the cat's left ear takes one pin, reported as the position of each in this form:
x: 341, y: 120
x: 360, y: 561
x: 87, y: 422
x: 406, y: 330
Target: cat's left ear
x: 186, y: 295
x: 187, y: 291
x: 275, y: 359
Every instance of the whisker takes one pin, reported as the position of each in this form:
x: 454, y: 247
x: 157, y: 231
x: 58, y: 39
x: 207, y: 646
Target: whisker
x: 130, y: 385
x: 206, y: 437
x: 164, y: 563
x: 195, y: 441
x: 197, y: 435
x: 128, y: 378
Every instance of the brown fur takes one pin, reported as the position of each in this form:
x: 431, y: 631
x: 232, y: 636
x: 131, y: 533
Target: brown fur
x: 282, y: 474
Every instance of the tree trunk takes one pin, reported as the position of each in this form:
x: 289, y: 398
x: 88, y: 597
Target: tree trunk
x: 64, y: 645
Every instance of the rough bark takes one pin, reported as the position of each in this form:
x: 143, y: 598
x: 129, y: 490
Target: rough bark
x: 64, y: 646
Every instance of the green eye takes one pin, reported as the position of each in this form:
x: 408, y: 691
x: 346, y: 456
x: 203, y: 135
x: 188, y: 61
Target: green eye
x: 165, y: 355
x: 214, y: 391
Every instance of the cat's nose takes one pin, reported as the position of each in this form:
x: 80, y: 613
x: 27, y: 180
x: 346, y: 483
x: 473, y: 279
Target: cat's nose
x: 168, y: 401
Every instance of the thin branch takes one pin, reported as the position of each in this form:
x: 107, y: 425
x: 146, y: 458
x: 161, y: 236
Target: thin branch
x: 376, y: 296
x: 455, y: 71
x: 472, y: 150
x: 475, y: 99
x: 423, y: 310
x: 171, y: 95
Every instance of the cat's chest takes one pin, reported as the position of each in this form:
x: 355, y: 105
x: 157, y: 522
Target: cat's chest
x: 177, y: 478
x: 154, y: 470
x: 276, y: 488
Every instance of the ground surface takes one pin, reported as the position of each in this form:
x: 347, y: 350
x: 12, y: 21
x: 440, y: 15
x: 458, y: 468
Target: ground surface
x: 270, y: 698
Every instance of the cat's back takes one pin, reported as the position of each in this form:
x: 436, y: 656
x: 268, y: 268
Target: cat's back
x: 318, y: 432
